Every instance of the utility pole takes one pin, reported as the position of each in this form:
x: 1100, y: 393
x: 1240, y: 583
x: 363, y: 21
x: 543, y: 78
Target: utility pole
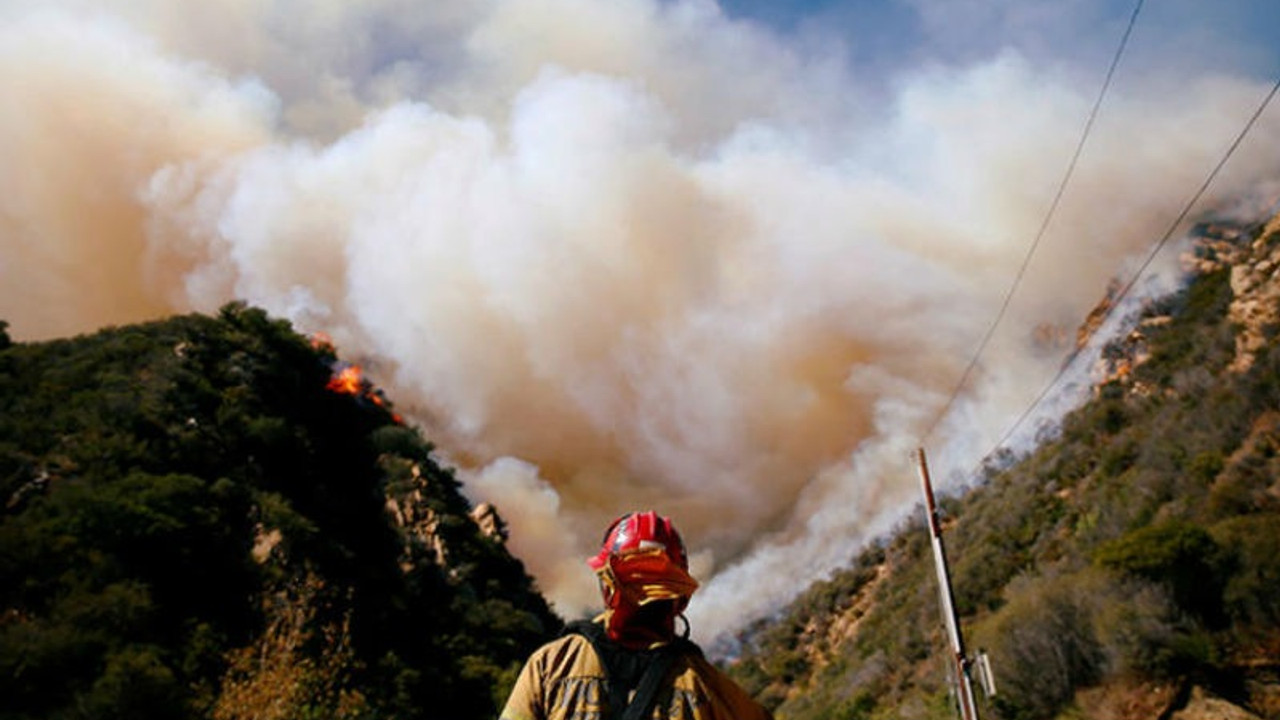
x: 960, y: 662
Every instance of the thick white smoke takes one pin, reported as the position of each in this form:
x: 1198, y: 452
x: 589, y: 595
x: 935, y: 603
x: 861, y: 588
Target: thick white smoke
x: 608, y: 255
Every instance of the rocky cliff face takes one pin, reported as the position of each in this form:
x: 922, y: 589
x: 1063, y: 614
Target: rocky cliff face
x: 1255, y: 280
x: 1250, y: 255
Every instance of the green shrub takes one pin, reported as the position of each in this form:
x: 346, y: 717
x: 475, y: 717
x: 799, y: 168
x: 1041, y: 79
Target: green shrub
x: 859, y: 707
x: 1042, y: 646
x: 1140, y: 628
x: 1181, y: 557
x: 1252, y: 593
x: 135, y: 682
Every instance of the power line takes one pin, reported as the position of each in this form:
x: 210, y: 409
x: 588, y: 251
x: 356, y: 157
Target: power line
x: 1044, y: 226
x: 1155, y: 250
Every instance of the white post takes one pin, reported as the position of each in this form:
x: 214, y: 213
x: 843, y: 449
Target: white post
x: 968, y: 709
x: 985, y: 674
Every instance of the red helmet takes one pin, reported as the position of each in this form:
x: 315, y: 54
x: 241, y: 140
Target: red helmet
x: 644, y: 578
x: 639, y: 532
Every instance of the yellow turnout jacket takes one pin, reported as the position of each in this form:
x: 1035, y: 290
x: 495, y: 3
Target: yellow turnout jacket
x: 565, y: 680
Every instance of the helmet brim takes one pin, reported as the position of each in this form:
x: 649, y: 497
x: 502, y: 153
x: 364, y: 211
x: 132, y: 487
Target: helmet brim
x: 647, y: 575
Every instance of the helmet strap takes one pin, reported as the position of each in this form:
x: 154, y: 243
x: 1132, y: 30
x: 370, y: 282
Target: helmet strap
x: 681, y: 617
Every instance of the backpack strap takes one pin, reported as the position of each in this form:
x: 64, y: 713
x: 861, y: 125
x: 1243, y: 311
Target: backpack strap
x: 657, y: 665
x: 655, y: 675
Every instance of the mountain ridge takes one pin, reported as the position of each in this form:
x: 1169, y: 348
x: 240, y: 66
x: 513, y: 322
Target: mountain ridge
x: 1125, y: 557
x: 197, y: 524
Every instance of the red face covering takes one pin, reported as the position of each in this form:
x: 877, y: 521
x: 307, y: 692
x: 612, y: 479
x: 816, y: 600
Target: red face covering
x: 643, y: 592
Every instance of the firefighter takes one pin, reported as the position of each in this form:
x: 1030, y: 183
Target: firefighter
x: 630, y: 662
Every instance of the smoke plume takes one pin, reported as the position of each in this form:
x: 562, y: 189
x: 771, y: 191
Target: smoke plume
x: 610, y: 255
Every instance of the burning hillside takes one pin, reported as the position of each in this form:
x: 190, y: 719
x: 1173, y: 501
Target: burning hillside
x: 195, y: 527
x: 349, y: 378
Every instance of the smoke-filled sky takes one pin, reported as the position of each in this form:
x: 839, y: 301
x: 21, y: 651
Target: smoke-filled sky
x: 726, y: 261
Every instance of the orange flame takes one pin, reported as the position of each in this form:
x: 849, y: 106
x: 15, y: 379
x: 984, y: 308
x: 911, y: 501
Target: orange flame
x: 349, y: 380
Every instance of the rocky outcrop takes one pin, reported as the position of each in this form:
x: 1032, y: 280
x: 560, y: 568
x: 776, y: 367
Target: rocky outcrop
x: 411, y: 510
x: 1203, y: 705
x: 490, y: 523
x: 1121, y: 356
x: 1128, y: 699
x: 265, y: 543
x: 1255, y: 282
x: 1253, y: 259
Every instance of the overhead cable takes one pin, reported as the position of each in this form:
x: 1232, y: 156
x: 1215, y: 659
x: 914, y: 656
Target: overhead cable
x: 1155, y: 250
x: 1044, y: 226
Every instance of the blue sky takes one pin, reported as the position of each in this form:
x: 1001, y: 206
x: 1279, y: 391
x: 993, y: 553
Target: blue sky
x: 1235, y: 35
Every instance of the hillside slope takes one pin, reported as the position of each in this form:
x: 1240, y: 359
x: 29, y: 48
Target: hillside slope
x: 200, y: 522
x: 1128, y: 567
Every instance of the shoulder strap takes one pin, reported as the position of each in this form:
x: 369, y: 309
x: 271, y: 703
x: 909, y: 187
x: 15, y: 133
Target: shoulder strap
x: 652, y: 680
x: 655, y: 673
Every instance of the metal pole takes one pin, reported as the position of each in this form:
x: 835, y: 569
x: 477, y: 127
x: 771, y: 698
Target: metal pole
x: 968, y: 709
